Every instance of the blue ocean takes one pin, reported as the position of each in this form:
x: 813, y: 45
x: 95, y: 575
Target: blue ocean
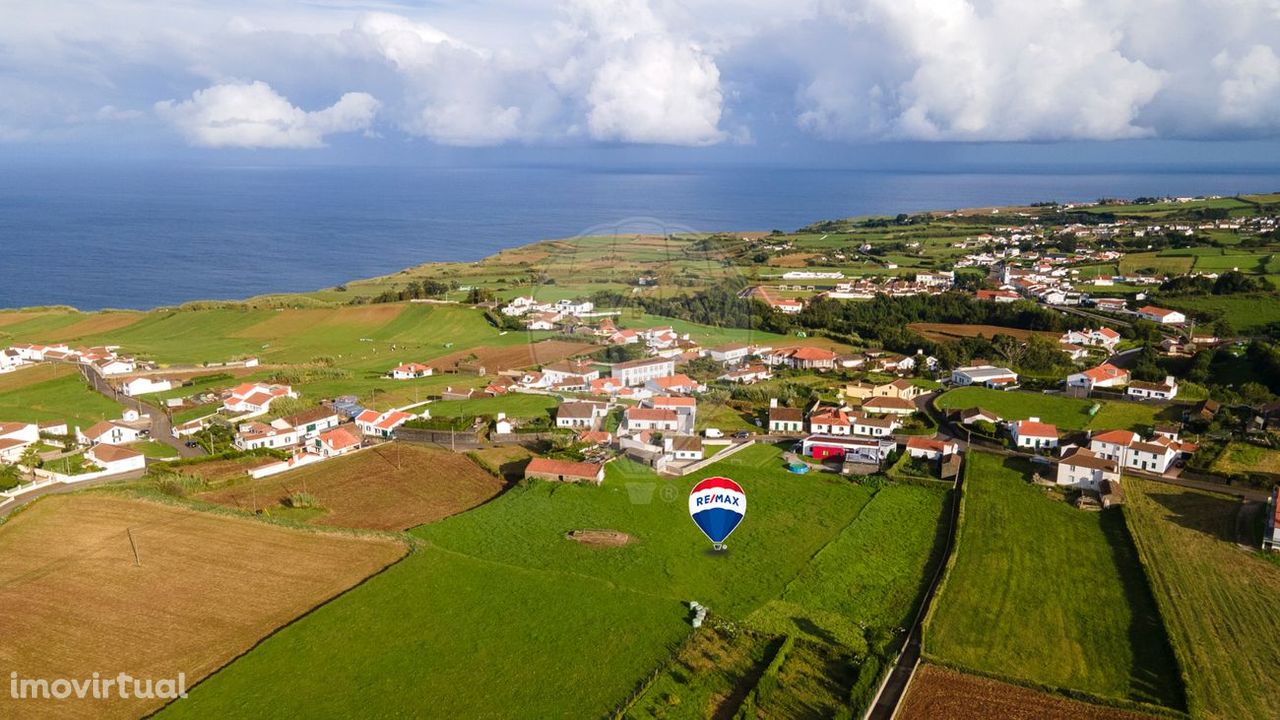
x: 145, y: 236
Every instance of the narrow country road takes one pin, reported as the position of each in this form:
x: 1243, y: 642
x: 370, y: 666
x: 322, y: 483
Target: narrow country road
x: 161, y: 426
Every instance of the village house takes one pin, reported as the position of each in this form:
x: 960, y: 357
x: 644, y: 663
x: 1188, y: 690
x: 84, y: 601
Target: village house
x: 830, y: 421
x: 543, y: 321
x: 802, y: 358
x: 570, y: 374
x: 859, y: 390
x: 746, y: 374
x: 410, y: 371
x: 255, y: 397
x: 685, y: 408
x: 888, y: 406
x: 1085, y: 469
x: 256, y: 435
x: 1103, y: 376
x: 1129, y: 451
x: 901, y: 388
x: 1166, y: 390
x: 564, y: 471
x: 1111, y: 305
x: 969, y: 416
x: 986, y: 375
x: 1033, y: 434
x: 136, y: 386
x: 687, y: 447
x: 338, y: 441
x: 580, y: 415
x: 519, y: 306
x: 1103, y: 337
x: 310, y: 423
x: 785, y: 420
x: 1000, y: 296
x: 678, y: 383
x: 638, y: 419
x: 376, y: 424
x: 114, y: 366
x: 831, y: 447
x: 53, y: 427
x: 108, y: 433
x: 1161, y: 315
x: 931, y: 449
x: 866, y: 426
x: 640, y: 372
x: 113, y: 459
x: 15, y: 437
x: 730, y: 354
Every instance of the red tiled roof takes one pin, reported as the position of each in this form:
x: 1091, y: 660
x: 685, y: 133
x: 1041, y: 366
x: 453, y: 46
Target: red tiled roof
x: 113, y: 453
x: 1116, y: 437
x: 339, y: 438
x: 652, y: 414
x: 1029, y: 428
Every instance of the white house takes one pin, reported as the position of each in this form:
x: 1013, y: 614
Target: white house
x: 1161, y: 315
x: 888, y: 406
x: 641, y: 419
x: 115, y: 366
x: 256, y: 435
x: 988, y: 375
x: 875, y: 426
x: 687, y: 447
x: 1082, y: 468
x: 930, y: 449
x: 640, y: 372
x: 830, y: 421
x: 730, y: 354
x: 1128, y: 450
x: 519, y: 306
x: 143, y: 385
x: 574, y: 307
x: 334, y: 442
x: 255, y: 397
x: 784, y: 419
x: 411, y: 371
x: 1166, y: 390
x: 372, y: 422
x: 15, y: 438
x: 685, y: 408
x: 580, y: 415
x: 115, y: 459
x: 570, y: 373
x: 1033, y: 434
x: 1103, y: 337
x: 1103, y: 376
x: 108, y: 433
x: 310, y: 423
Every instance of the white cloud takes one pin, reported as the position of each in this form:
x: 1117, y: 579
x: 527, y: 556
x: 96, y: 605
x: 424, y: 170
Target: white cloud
x: 681, y: 72
x: 252, y: 115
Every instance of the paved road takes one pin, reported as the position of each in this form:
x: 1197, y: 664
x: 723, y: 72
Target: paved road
x: 161, y: 426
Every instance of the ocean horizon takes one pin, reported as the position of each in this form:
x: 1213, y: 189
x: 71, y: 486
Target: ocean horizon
x: 141, y: 237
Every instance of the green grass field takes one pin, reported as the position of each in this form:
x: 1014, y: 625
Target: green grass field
x: 1043, y: 593
x: 501, y: 614
x: 1218, y: 601
x: 66, y: 397
x: 1245, y: 312
x: 515, y: 405
x: 836, y: 596
x: 1065, y: 412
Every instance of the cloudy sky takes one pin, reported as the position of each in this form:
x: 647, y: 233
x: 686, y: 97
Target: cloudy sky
x: 328, y: 78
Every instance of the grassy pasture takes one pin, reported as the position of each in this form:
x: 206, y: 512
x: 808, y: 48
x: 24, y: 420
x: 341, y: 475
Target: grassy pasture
x: 391, y: 487
x: 1241, y: 457
x: 515, y: 405
x: 1041, y: 592
x: 943, y: 332
x: 26, y: 397
x: 1245, y: 312
x: 88, y: 606
x: 446, y: 635
x: 1065, y: 412
x: 1138, y: 263
x: 835, y: 596
x: 1218, y: 601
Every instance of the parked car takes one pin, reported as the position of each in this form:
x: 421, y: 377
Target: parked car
x: 742, y: 434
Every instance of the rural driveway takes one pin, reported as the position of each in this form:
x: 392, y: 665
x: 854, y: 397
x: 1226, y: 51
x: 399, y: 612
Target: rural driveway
x: 161, y: 425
